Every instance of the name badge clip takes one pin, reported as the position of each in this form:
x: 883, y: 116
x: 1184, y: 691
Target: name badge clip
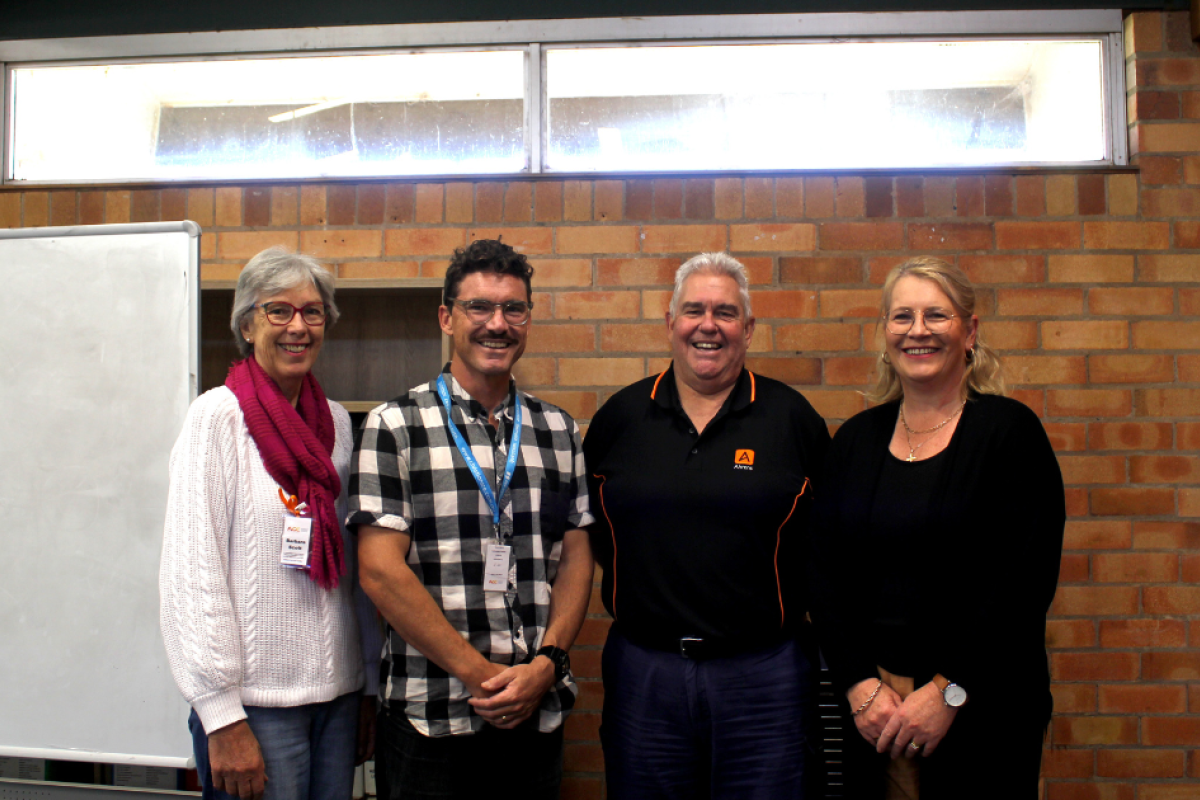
x: 296, y: 534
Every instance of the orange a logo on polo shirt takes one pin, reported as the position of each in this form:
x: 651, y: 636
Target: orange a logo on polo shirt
x: 743, y: 459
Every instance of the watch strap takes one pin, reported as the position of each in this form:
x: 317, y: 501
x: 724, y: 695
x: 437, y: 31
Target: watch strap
x: 557, y: 656
x: 943, y: 684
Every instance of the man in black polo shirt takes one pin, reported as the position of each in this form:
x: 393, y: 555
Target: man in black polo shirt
x: 701, y: 480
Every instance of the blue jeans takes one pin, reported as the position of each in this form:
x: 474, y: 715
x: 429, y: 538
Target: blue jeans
x: 731, y: 727
x: 309, y: 750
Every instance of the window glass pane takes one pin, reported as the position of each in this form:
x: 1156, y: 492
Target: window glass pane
x: 823, y: 106
x: 402, y: 114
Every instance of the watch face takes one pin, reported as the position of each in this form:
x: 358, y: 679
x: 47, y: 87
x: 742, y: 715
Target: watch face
x: 955, y: 695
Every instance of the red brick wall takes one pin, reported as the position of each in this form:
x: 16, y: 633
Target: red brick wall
x: 1090, y: 287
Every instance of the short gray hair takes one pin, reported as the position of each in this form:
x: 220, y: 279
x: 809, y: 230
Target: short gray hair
x: 713, y: 264
x: 272, y: 271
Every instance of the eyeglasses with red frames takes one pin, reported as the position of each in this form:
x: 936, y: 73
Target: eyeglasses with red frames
x: 281, y: 313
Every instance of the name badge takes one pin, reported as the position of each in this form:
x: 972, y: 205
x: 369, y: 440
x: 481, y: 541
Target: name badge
x: 495, y: 577
x: 297, y: 533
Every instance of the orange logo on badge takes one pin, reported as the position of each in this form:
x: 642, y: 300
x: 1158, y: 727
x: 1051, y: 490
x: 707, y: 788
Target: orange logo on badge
x: 744, y: 457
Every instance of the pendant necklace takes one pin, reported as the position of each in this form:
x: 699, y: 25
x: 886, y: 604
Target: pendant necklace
x: 909, y: 432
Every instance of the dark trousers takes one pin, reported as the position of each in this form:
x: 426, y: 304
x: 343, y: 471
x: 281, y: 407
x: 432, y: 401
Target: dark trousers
x: 735, y: 727
x: 494, y: 763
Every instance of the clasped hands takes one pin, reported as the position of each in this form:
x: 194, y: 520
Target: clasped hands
x: 895, y: 725
x: 508, y: 696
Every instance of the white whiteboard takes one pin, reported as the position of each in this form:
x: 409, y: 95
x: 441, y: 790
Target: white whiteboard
x: 98, y: 364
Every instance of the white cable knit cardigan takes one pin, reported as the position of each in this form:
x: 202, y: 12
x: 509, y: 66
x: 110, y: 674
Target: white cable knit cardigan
x: 241, y: 629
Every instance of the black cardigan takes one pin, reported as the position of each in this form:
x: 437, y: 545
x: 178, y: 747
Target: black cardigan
x: 995, y: 537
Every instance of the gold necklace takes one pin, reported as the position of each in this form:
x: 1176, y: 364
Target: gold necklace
x: 909, y: 432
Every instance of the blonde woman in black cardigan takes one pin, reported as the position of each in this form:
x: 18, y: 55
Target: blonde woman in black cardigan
x: 938, y: 552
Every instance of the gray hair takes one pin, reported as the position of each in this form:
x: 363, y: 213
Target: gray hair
x: 712, y: 264
x: 272, y: 271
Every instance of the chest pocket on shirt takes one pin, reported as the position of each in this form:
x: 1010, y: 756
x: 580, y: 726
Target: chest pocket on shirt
x: 555, y: 507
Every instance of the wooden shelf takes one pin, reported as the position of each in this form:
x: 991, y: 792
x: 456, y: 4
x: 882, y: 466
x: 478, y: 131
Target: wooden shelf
x: 361, y: 406
x: 350, y: 285
x: 386, y: 342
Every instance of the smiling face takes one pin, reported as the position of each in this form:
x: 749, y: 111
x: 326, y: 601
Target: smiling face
x: 925, y: 360
x: 710, y: 335
x: 286, y: 352
x: 485, y: 353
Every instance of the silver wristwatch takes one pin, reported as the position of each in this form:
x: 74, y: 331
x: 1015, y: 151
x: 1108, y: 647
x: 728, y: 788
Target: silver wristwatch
x: 952, y: 694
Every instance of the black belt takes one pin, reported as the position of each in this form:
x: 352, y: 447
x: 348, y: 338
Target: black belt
x: 698, y: 648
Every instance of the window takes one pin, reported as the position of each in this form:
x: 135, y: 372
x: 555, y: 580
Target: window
x: 589, y: 96
x: 399, y: 114
x: 822, y: 106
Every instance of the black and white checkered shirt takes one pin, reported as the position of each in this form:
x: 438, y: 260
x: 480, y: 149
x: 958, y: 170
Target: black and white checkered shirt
x: 408, y: 475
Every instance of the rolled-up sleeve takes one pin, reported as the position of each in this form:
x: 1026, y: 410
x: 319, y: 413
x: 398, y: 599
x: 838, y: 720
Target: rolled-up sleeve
x: 380, y: 487
x: 580, y: 515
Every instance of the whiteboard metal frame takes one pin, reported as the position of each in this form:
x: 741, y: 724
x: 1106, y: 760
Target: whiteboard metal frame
x: 11, y: 789
x: 192, y: 300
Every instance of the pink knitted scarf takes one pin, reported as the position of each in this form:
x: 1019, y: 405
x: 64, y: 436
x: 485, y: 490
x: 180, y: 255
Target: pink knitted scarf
x: 295, y: 445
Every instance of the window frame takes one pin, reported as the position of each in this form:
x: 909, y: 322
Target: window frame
x: 533, y: 36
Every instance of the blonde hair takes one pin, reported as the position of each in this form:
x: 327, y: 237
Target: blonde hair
x: 984, y: 373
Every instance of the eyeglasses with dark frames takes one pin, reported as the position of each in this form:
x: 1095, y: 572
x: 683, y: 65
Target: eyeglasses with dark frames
x: 480, y: 311
x: 281, y: 313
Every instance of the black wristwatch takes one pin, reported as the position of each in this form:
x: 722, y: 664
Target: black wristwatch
x: 559, y: 657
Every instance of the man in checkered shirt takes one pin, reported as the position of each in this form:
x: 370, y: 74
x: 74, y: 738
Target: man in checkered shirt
x: 477, y: 561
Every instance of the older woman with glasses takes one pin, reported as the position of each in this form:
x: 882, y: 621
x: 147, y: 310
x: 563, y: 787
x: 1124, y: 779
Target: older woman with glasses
x: 260, y: 611
x: 940, y: 534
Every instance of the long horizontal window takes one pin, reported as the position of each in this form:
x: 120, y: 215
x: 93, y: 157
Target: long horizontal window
x: 820, y: 106
x: 404, y: 114
x: 583, y: 107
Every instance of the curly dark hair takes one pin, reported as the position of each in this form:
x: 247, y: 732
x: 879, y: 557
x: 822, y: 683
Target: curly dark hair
x: 485, y: 255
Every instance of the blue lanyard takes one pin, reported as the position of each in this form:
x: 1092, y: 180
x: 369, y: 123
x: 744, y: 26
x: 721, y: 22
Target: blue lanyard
x: 464, y: 450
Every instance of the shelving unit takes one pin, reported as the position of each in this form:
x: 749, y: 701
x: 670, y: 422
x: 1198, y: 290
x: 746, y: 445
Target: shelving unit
x: 386, y: 342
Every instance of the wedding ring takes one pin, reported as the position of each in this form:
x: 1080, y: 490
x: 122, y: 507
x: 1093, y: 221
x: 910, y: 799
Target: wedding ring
x: 915, y: 746
x: 503, y: 718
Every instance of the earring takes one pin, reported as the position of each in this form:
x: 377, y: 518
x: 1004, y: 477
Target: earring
x: 971, y: 354
x: 884, y: 358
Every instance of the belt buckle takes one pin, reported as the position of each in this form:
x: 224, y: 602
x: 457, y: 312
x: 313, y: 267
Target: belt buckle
x: 693, y: 641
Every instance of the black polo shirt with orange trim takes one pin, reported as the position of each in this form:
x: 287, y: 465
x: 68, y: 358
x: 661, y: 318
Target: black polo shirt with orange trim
x: 704, y: 535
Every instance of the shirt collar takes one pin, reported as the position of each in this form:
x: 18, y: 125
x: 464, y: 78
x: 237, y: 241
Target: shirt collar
x: 666, y: 394
x: 472, y: 409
